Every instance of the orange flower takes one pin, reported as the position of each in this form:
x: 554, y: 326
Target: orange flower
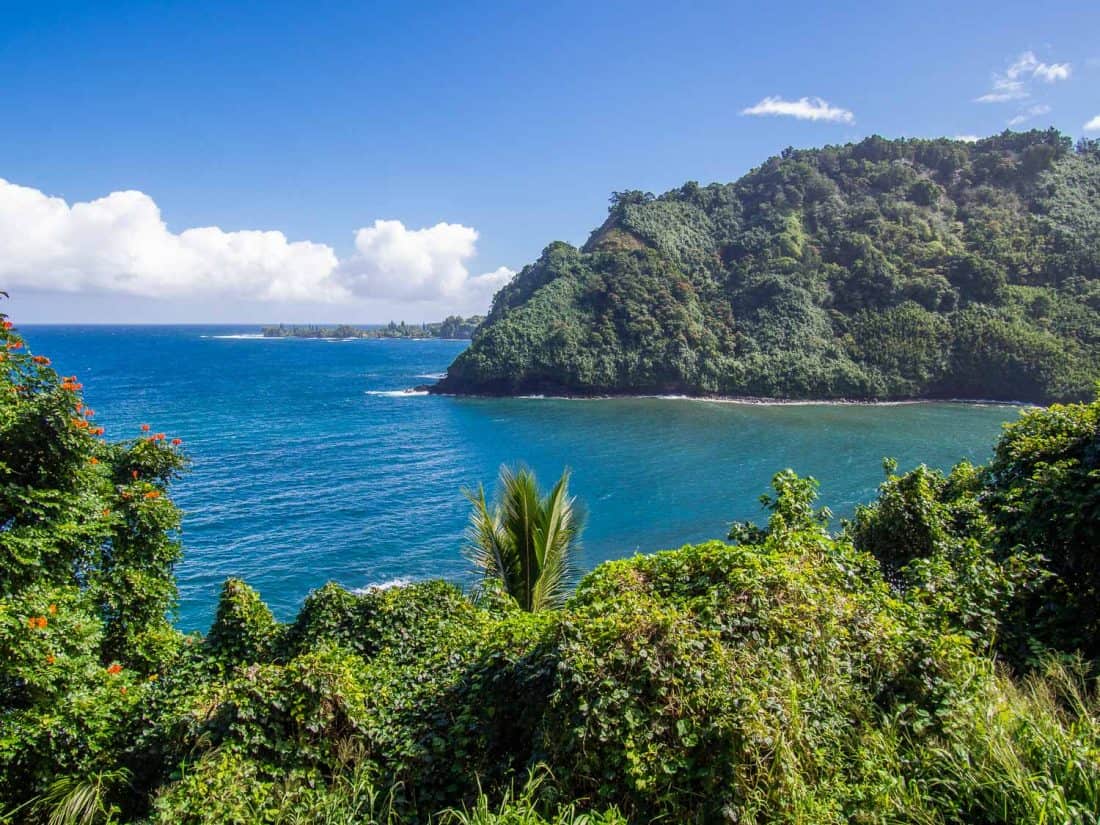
x: 122, y: 690
x: 53, y: 609
x: 159, y: 436
x: 8, y: 325
x: 37, y: 622
x: 106, y: 513
x: 15, y: 345
x: 114, y: 669
x: 176, y: 442
x: 134, y: 473
x: 89, y: 413
x: 41, y: 359
x: 145, y: 428
x: 152, y: 494
x: 80, y: 423
x: 93, y: 460
x: 96, y: 431
x: 51, y: 659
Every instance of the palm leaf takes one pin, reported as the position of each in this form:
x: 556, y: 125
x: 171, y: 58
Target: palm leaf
x: 527, y: 542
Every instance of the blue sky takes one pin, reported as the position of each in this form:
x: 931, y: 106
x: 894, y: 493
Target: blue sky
x: 456, y: 139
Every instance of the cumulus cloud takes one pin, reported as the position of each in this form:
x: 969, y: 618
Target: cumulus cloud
x: 1014, y: 82
x: 393, y: 261
x: 805, y: 108
x: 121, y: 244
x: 1093, y: 125
x: 1027, y: 114
x: 481, y: 288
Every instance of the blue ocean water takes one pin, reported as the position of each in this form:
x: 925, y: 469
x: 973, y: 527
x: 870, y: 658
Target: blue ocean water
x: 310, y: 464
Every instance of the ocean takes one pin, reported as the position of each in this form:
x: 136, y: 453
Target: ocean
x: 311, y: 464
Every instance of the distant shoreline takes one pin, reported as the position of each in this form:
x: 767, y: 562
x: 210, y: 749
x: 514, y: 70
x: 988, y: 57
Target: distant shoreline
x: 452, y: 327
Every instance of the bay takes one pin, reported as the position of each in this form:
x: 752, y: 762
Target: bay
x: 310, y: 463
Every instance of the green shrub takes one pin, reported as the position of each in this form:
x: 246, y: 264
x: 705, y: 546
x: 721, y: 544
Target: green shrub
x: 1044, y: 498
x: 244, y: 630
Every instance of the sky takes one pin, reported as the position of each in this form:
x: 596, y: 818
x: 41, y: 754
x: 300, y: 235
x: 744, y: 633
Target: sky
x: 253, y: 162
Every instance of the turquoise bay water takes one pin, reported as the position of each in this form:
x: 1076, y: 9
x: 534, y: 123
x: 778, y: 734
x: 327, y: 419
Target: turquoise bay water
x: 310, y: 465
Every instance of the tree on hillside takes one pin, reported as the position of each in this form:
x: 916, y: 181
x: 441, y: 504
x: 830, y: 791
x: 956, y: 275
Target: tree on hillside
x: 88, y: 543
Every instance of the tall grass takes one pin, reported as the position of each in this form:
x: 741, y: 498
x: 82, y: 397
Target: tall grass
x: 525, y: 808
x: 1023, y: 750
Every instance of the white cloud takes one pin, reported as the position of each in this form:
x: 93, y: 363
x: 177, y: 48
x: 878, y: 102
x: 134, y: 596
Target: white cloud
x: 1053, y: 72
x: 805, y: 108
x: 1003, y: 92
x: 487, y: 284
x: 1027, y: 114
x: 412, y: 264
x: 968, y: 138
x: 1093, y: 125
x: 1014, y: 82
x: 121, y: 244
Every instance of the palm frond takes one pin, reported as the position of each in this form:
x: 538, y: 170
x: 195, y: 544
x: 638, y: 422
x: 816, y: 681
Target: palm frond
x: 528, y: 542
x: 74, y: 800
x: 559, y: 533
x: 486, y: 542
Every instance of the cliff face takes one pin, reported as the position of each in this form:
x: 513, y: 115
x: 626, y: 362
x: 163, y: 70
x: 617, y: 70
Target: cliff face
x: 883, y: 269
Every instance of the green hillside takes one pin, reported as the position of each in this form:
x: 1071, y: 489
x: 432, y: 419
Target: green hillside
x: 877, y: 270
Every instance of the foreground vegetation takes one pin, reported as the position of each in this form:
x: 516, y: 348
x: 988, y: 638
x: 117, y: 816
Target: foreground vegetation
x: 881, y: 269
x: 933, y: 661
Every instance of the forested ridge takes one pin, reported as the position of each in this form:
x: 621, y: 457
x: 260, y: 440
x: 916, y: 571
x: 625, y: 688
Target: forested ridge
x: 884, y: 269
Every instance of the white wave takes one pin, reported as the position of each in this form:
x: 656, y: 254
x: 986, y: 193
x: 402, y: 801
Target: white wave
x: 434, y: 376
x: 777, y: 402
x: 383, y: 585
x: 243, y: 336
x: 397, y: 393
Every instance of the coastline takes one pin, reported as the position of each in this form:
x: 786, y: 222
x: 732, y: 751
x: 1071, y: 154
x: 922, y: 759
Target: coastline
x: 748, y: 400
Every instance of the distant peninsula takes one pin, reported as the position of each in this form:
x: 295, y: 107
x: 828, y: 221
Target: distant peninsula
x: 453, y: 327
x: 879, y: 270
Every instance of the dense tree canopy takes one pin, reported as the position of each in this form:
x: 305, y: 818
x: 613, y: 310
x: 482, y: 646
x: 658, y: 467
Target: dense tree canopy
x: 882, y: 269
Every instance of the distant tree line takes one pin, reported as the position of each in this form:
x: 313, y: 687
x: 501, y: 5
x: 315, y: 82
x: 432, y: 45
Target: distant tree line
x: 453, y: 326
